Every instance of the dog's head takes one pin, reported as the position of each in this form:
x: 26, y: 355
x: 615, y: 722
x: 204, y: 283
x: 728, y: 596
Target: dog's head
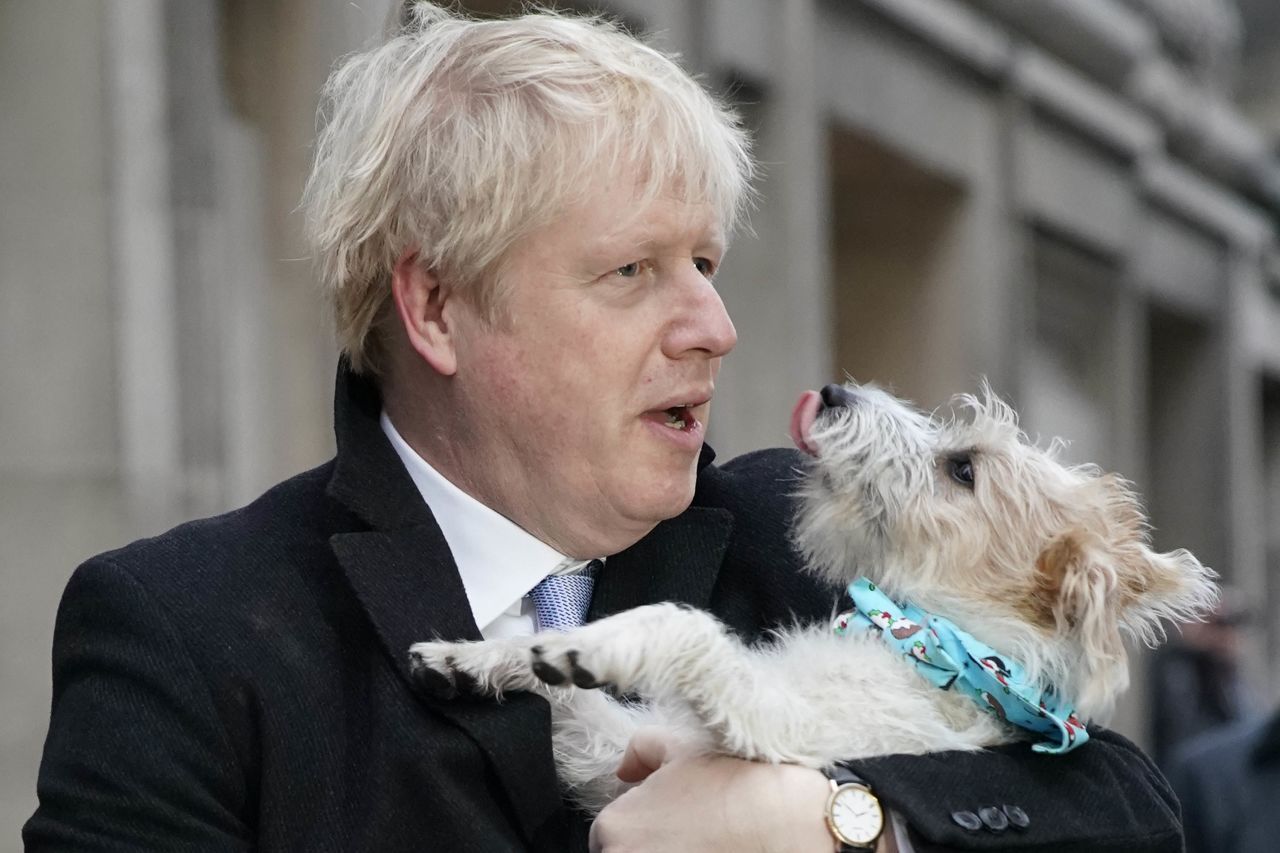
x: 969, y: 519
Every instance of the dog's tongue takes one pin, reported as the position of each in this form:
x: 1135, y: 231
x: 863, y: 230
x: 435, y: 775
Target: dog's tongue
x: 802, y: 418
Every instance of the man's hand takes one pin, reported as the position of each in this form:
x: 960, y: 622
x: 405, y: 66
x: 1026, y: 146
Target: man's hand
x: 711, y: 802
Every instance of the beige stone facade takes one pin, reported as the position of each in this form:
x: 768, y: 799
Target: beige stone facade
x: 1057, y: 196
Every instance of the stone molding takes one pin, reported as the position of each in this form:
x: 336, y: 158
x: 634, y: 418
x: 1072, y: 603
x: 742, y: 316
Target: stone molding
x: 1104, y: 117
x: 1110, y: 47
x: 1204, y: 36
x: 1103, y: 38
x: 1199, y: 201
x: 962, y: 34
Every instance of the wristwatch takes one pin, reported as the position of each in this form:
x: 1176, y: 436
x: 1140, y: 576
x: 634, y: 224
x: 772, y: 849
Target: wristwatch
x: 854, y: 815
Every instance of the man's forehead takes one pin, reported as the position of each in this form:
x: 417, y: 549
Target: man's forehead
x: 663, y: 222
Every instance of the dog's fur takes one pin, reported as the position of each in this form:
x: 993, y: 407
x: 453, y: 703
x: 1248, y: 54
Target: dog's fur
x: 1047, y: 563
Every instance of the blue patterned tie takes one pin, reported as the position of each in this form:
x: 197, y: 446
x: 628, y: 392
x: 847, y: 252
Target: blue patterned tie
x: 560, y: 602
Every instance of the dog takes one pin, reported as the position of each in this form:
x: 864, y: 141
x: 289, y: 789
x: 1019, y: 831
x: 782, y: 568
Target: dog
x: 1030, y: 560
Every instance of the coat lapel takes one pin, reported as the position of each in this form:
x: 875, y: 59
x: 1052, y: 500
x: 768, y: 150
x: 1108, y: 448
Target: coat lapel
x: 404, y: 577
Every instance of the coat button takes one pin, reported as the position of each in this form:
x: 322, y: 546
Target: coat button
x: 1017, y: 817
x: 995, y: 819
x: 968, y: 820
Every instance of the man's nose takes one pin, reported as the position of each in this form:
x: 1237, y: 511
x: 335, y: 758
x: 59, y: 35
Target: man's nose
x: 705, y: 324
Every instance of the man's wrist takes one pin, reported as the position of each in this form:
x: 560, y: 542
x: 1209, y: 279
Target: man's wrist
x: 803, y: 797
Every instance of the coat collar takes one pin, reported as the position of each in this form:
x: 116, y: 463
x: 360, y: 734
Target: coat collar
x: 405, y: 578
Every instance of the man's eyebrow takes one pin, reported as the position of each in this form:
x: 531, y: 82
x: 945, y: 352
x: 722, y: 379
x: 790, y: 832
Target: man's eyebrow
x: 701, y: 238
x: 646, y: 240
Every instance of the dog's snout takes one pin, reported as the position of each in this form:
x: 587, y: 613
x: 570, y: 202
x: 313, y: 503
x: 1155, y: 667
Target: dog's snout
x: 837, y: 397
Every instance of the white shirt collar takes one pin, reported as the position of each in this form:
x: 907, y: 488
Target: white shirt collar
x: 498, y: 560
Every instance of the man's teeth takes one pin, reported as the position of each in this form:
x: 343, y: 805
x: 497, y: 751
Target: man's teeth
x: 675, y: 417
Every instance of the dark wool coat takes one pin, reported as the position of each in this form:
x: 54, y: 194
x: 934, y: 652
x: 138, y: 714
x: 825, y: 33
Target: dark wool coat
x: 241, y: 682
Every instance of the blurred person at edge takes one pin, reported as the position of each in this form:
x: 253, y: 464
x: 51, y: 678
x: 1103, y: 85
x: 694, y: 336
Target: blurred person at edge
x: 518, y: 223
x: 1228, y: 781
x: 1196, y: 681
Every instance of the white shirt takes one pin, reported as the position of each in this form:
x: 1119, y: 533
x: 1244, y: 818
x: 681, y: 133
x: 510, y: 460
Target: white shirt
x: 498, y: 560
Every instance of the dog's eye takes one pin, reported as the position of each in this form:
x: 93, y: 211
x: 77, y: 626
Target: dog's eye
x: 961, y: 470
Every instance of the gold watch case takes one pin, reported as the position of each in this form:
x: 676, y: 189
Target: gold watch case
x: 854, y: 815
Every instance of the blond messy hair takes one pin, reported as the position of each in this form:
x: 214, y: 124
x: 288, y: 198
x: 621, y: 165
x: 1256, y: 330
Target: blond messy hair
x: 457, y: 137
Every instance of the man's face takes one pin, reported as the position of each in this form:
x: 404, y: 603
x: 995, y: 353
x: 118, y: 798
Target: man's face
x: 587, y: 404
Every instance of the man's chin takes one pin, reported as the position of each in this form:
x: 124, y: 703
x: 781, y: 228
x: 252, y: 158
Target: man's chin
x: 665, y: 501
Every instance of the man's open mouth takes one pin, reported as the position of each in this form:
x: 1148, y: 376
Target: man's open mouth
x: 680, y: 417
x: 686, y: 417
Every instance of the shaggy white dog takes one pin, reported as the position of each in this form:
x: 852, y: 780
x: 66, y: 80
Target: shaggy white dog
x: 963, y: 517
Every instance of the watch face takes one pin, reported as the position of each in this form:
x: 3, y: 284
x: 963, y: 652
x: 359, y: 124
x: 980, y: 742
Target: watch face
x: 855, y: 815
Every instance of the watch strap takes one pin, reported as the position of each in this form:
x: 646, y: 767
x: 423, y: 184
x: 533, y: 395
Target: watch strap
x: 842, y: 775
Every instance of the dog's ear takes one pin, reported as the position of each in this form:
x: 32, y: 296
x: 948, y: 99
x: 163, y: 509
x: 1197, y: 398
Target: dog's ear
x: 1072, y: 585
x: 1076, y: 583
x: 1155, y: 588
x: 1152, y: 587
x: 1090, y: 590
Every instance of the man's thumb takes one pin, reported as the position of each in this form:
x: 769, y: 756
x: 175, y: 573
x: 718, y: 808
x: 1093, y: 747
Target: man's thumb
x: 648, y: 749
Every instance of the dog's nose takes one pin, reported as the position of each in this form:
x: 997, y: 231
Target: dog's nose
x: 837, y: 396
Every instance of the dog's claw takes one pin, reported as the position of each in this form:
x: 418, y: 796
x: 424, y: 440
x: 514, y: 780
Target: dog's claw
x: 545, y: 671
x: 585, y: 679
x: 548, y: 673
x: 464, y: 681
x: 432, y: 681
x: 582, y: 677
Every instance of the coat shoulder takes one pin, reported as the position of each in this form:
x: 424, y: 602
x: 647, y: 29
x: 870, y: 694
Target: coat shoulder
x: 260, y: 551
x: 290, y: 513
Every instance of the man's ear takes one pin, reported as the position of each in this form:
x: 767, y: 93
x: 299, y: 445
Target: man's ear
x: 420, y: 304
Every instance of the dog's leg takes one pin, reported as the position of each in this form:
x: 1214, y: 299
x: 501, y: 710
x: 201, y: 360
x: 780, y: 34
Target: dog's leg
x: 589, y: 729
x: 488, y: 667
x: 637, y: 651
x: 589, y: 736
x: 674, y: 653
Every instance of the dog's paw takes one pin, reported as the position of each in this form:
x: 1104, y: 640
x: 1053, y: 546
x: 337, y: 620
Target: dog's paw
x: 559, y: 666
x: 636, y: 650
x: 435, y: 670
x: 482, y: 668
x: 612, y: 651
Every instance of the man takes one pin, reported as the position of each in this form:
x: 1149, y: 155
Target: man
x: 1228, y: 781
x: 1196, y: 681
x: 518, y: 223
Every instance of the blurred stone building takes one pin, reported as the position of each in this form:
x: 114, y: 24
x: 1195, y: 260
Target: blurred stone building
x: 1075, y: 198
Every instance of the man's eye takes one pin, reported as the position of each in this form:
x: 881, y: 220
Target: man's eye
x: 704, y: 266
x: 961, y: 470
x: 631, y: 270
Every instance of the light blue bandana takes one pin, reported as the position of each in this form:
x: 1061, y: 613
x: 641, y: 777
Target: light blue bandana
x: 950, y: 658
